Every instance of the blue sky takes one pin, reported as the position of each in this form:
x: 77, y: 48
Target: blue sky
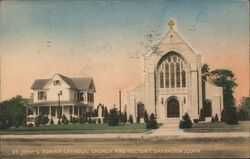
x: 53, y: 35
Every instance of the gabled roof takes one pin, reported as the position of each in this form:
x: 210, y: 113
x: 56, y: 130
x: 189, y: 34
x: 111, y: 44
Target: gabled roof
x: 81, y: 84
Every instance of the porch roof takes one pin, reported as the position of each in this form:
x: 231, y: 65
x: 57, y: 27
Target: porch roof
x: 55, y: 103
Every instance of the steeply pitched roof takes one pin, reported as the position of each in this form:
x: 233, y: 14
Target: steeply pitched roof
x: 74, y: 83
x: 39, y: 84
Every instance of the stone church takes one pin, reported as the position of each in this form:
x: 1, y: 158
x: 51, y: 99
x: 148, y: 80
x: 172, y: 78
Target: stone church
x: 173, y: 83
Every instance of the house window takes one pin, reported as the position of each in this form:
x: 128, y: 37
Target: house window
x: 80, y: 96
x: 41, y: 95
x: 90, y: 97
x: 167, y: 75
x: 57, y: 83
x: 70, y: 109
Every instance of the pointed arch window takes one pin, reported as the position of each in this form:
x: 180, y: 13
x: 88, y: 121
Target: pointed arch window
x: 183, y: 76
x: 161, y: 79
x: 172, y: 75
x: 178, y: 75
x: 167, y: 75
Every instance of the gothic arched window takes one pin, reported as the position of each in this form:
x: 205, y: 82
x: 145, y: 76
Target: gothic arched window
x: 172, y: 75
x: 172, y: 72
x: 178, y: 75
x: 167, y: 75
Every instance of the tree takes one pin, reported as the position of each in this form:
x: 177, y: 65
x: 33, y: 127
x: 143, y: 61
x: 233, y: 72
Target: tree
x: 152, y: 123
x: 44, y: 119
x: 113, y: 119
x: 130, y: 120
x: 12, y: 112
x: 38, y: 120
x: 226, y: 79
x: 146, y: 116
x: 125, y: 118
x: 185, y: 122
x: 205, y: 71
x: 244, y: 109
x: 106, y: 115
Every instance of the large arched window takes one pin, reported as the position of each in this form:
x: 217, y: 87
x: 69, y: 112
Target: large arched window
x: 172, y: 72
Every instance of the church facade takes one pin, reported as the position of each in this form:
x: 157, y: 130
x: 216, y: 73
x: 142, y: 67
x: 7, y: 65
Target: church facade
x: 173, y: 83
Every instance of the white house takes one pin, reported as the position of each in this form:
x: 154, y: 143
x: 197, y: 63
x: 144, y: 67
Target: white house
x: 173, y: 83
x: 61, y: 95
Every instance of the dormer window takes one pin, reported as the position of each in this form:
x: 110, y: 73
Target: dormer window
x: 57, y: 83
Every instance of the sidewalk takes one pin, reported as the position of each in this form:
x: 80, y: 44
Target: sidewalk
x: 153, y: 134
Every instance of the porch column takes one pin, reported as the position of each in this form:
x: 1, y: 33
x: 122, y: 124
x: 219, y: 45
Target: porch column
x: 62, y: 110
x: 49, y: 111
x: 78, y: 111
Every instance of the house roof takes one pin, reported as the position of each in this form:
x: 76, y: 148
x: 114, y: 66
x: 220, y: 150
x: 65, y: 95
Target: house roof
x: 74, y: 83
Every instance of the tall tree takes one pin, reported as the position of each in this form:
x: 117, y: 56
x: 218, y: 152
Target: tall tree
x: 205, y: 71
x: 12, y: 112
x: 226, y: 79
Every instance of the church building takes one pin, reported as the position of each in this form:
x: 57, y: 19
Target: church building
x: 173, y: 83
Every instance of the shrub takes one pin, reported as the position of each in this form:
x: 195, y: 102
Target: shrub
x: 51, y: 121
x: 64, y: 120
x: 212, y: 120
x: 146, y: 117
x: 30, y: 125
x: 216, y: 119
x: 38, y: 120
x: 106, y: 115
x: 130, y: 120
x: 113, y: 117
x: 59, y: 121
x: 99, y: 121
x: 70, y: 119
x: 94, y: 122
x: 185, y: 122
x: 196, y: 120
x: 125, y: 118
x: 231, y: 116
x: 152, y: 123
x: 89, y: 120
x: 44, y: 120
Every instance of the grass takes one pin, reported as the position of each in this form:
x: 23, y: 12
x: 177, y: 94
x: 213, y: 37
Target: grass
x: 78, y: 129
x: 243, y: 126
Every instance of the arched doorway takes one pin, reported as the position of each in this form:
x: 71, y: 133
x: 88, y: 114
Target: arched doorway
x: 173, y: 108
x: 207, y: 108
x: 140, y: 110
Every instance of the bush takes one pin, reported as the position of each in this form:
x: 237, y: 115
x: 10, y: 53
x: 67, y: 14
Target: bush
x: 64, y: 120
x: 71, y: 118
x: 44, y: 120
x: 30, y: 125
x: 59, y: 122
x: 216, y: 119
x: 75, y: 120
x: 51, y: 121
x: 94, y: 122
x: 212, y: 120
x: 146, y: 117
x: 138, y: 118
x: 152, y: 123
x: 185, y: 122
x: 130, y: 120
x: 113, y: 117
x: 196, y: 120
x: 231, y: 116
x: 125, y: 118
x: 99, y: 121
x: 38, y: 120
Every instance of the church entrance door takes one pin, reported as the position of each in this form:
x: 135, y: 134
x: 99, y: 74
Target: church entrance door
x: 173, y: 108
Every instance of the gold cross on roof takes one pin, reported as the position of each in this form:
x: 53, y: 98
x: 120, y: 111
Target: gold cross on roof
x: 171, y: 23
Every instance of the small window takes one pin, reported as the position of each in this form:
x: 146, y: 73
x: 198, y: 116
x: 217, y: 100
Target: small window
x: 57, y: 83
x: 80, y: 96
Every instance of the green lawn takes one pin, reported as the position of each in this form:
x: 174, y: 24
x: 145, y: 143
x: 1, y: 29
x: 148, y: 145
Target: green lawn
x: 243, y: 126
x: 78, y: 129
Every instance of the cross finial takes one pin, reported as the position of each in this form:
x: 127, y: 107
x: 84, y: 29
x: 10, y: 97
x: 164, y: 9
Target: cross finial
x: 171, y: 23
